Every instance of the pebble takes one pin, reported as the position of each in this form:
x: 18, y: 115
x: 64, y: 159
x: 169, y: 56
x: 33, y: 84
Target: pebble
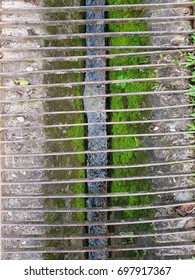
x: 20, y: 119
x: 29, y: 68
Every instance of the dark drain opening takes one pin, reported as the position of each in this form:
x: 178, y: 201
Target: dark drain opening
x: 96, y: 130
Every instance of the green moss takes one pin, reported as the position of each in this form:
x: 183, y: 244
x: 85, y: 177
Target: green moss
x: 123, y: 158
x: 64, y: 132
x: 136, y: 101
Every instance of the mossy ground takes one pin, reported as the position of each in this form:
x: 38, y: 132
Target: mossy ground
x: 136, y: 101
x: 63, y: 132
x: 124, y: 158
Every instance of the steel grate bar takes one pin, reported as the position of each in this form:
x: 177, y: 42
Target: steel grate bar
x: 109, y: 223
x: 103, y: 236
x: 101, y: 195
x: 88, y: 35
x: 108, y: 209
x: 107, y: 123
x: 162, y: 49
x: 98, y: 151
x: 96, y: 180
x: 93, y: 21
x: 108, y: 95
x: 99, y: 111
x: 98, y: 7
x: 83, y: 57
x: 100, y: 167
x: 68, y: 85
x: 83, y: 70
x: 97, y: 249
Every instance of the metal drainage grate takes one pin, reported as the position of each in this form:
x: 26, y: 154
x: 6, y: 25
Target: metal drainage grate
x: 97, y: 133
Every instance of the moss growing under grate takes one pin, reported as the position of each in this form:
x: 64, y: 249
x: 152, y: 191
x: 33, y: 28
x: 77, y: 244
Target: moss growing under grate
x: 136, y: 101
x: 63, y: 132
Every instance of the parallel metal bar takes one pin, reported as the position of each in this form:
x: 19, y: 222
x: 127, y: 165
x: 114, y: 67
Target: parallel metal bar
x: 86, y: 195
x: 94, y: 223
x: 7, y: 169
x: 92, y: 21
x: 39, y: 140
x: 95, y: 209
x: 91, y: 57
x: 99, y: 249
x: 94, y: 8
x: 89, y: 35
x: 95, y: 111
x: 112, y: 236
x: 108, y: 95
x: 106, y: 82
x: 108, y: 48
x: 72, y: 181
x: 98, y: 151
x: 83, y: 70
x: 4, y: 128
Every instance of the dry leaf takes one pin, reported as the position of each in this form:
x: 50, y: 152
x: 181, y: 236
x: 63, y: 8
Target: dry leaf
x: 36, y: 2
x: 31, y: 32
x: 21, y: 82
x: 184, y: 210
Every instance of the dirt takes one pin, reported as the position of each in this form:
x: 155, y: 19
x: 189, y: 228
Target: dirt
x: 173, y: 126
x: 27, y: 137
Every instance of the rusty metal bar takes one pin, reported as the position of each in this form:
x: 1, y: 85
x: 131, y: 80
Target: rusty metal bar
x: 92, y: 21
x: 99, y: 249
x: 108, y: 223
x: 99, y: 111
x: 7, y: 169
x: 84, y: 57
x: 185, y: 133
x: 87, y: 195
x: 107, y: 82
x: 108, y: 95
x: 72, y: 181
x: 83, y: 70
x: 113, y: 236
x: 95, y: 209
x: 88, y: 35
x: 95, y: 8
x: 98, y: 151
x: 108, y: 48
x: 5, y: 128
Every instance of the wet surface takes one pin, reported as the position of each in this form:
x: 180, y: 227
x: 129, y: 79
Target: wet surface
x: 98, y: 159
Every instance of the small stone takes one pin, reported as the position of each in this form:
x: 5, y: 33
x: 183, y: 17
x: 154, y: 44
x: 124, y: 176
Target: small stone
x: 190, y: 224
x: 171, y: 211
x: 36, y: 2
x: 186, y: 12
x: 20, y: 119
x: 29, y: 68
x: 176, y: 41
